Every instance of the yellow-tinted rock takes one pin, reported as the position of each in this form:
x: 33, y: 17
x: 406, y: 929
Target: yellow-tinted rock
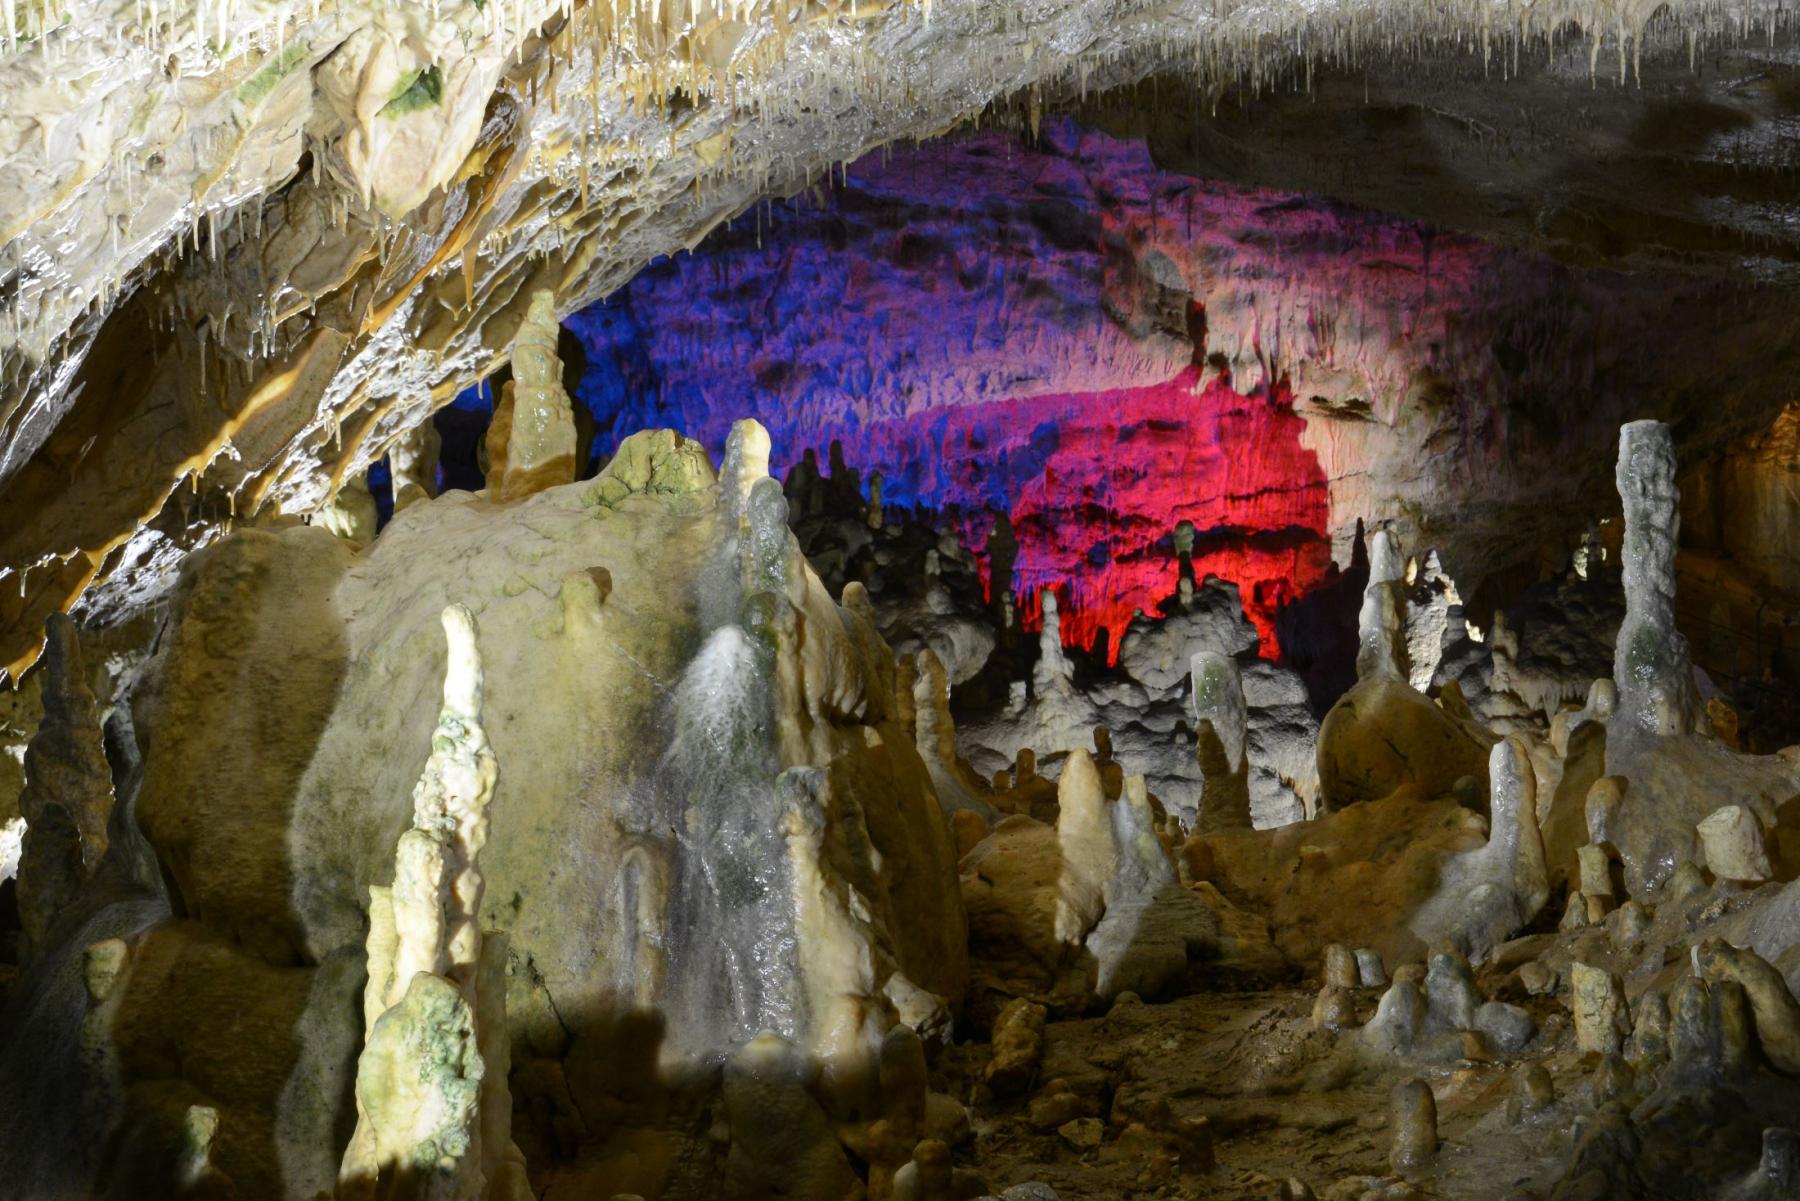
x: 1382, y: 735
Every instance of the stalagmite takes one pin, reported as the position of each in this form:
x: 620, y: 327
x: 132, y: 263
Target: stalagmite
x: 1220, y: 720
x: 67, y: 801
x: 531, y: 442
x: 1650, y: 666
x: 1414, y: 1122
x: 1451, y: 997
x: 831, y: 920
x: 1090, y: 858
x: 413, y: 464
x: 1777, y: 1012
x: 1649, y: 1043
x: 351, y: 512
x: 1339, y: 969
x: 433, y: 1110
x: 1054, y: 675
x: 1380, y: 624
x: 959, y: 790
x: 1598, y: 1000
x: 1428, y: 619
x: 1533, y: 1092
x: 1398, y: 1018
x: 1488, y: 894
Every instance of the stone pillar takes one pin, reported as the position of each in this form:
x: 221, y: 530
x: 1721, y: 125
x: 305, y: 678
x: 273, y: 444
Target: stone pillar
x: 1650, y: 660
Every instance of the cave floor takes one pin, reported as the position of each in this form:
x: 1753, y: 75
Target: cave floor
x: 1282, y: 1099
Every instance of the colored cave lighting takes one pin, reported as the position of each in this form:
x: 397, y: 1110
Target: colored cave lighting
x: 1094, y: 484
x: 994, y: 328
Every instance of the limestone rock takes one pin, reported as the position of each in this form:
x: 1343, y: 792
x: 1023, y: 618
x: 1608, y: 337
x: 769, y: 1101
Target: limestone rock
x: 1712, y: 1030
x: 1382, y: 735
x: 654, y: 463
x: 351, y: 512
x: 1601, y: 1017
x: 1414, y: 1123
x: 1596, y: 872
x: 1488, y: 894
x: 1398, y: 1020
x: 1506, y: 1028
x: 1651, y: 668
x: 645, y: 853
x: 1649, y: 1044
x: 1333, y: 1010
x: 1340, y: 967
x: 413, y: 464
x: 1777, y: 1012
x: 434, y: 1116
x: 1431, y: 600
x: 1451, y: 998
x: 1221, y: 722
x: 1151, y: 926
x: 958, y: 788
x: 1381, y: 621
x: 1732, y: 839
x: 1090, y: 854
x: 1010, y: 892
x: 1533, y: 1091
x: 782, y: 1143
x: 1018, y: 1045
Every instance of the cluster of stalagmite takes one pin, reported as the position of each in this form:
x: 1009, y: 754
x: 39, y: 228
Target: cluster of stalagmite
x: 768, y: 933
x: 434, y: 1115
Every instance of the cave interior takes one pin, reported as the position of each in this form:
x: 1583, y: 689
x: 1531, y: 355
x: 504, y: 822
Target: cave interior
x: 899, y: 600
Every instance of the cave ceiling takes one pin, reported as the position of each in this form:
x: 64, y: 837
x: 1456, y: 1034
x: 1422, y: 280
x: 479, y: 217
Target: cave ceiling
x: 247, y: 245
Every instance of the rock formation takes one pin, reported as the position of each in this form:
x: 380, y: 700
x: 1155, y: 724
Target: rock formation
x: 434, y: 1116
x: 67, y: 800
x: 1380, y: 623
x: 1486, y: 896
x: 413, y: 465
x: 1651, y: 668
x: 1220, y: 720
x: 531, y: 443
